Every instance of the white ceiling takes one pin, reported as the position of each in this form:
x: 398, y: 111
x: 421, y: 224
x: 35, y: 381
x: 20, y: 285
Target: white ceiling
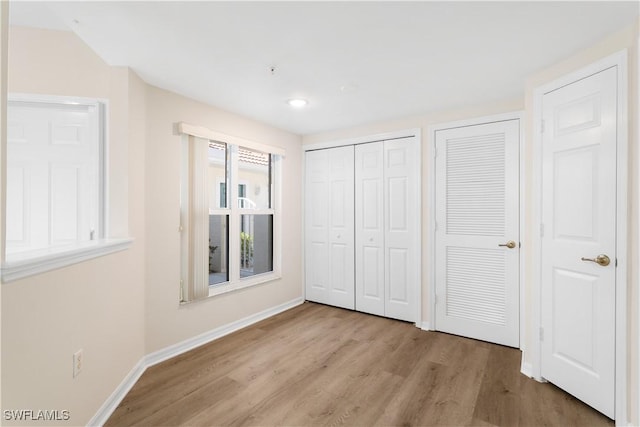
x: 355, y: 62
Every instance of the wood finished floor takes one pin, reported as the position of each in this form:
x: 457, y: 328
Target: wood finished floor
x: 319, y: 365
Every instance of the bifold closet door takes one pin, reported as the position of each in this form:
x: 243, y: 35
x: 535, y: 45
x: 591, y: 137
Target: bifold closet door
x: 402, y: 229
x: 387, y: 231
x: 370, y: 228
x: 329, y: 226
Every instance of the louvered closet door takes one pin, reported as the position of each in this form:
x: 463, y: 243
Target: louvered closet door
x: 329, y: 226
x: 477, y: 198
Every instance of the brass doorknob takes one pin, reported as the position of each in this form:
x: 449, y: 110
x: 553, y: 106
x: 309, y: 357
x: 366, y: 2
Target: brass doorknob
x: 601, y: 259
x: 510, y: 244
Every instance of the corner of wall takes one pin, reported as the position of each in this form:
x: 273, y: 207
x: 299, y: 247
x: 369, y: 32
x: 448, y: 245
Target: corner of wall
x: 4, y: 35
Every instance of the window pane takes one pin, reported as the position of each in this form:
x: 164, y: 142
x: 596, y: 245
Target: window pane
x: 254, y: 180
x: 256, y: 244
x: 218, y: 249
x: 217, y: 175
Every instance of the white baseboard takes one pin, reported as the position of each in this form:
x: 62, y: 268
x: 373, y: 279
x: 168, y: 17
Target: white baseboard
x: 425, y: 326
x: 119, y: 393
x: 219, y: 332
x: 156, y: 357
x: 526, y: 369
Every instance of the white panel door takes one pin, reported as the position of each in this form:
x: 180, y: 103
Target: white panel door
x: 477, y: 214
x: 579, y: 220
x: 402, y: 231
x: 329, y: 227
x: 52, y: 176
x: 370, y: 231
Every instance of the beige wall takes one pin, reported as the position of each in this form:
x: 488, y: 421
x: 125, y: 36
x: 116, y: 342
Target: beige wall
x: 120, y: 307
x: 627, y: 38
x: 167, y: 322
x: 96, y: 305
x: 4, y: 38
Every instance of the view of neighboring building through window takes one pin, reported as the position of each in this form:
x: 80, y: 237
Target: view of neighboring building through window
x: 218, y: 175
x: 256, y: 226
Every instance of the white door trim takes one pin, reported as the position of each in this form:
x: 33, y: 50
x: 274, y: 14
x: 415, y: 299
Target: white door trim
x: 638, y: 224
x: 431, y: 241
x: 618, y: 60
x: 405, y: 133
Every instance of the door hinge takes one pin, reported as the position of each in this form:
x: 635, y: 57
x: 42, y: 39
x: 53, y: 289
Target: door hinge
x: 435, y: 226
x: 541, y: 230
x: 435, y: 152
x: 541, y: 334
x: 436, y: 297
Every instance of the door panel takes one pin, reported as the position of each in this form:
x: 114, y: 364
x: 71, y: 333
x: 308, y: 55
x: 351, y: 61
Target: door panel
x: 369, y: 195
x: 567, y: 224
x: 579, y: 220
x: 318, y: 269
x: 329, y: 227
x: 398, y: 280
x: 339, y: 277
x: 402, y: 234
x: 477, y: 210
x: 17, y: 211
x: 476, y: 292
x: 65, y: 199
x: 398, y: 189
x: 577, y: 347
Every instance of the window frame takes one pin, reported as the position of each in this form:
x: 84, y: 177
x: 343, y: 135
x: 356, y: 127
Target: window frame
x: 234, y: 213
x: 28, y: 263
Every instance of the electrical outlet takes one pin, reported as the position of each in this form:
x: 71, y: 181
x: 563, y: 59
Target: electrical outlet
x: 78, y: 361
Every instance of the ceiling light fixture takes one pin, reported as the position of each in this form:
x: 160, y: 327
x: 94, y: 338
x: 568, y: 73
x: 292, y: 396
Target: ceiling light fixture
x: 297, y: 102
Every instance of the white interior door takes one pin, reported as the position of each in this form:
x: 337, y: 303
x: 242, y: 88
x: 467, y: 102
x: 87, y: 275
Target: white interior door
x: 477, y: 216
x: 402, y: 230
x: 329, y: 227
x: 579, y: 223
x: 51, y: 178
x: 370, y: 230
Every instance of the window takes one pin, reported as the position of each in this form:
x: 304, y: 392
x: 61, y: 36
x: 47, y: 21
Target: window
x: 218, y: 172
x: 55, y: 183
x: 256, y: 215
x: 236, y: 247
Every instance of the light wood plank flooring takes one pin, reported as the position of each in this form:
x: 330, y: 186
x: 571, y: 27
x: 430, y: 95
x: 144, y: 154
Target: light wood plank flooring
x: 319, y: 365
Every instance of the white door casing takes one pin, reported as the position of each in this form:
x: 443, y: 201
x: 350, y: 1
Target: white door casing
x: 329, y: 227
x: 578, y: 297
x: 477, y: 211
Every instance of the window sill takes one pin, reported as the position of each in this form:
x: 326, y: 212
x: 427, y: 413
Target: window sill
x: 243, y: 283
x: 21, y: 265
